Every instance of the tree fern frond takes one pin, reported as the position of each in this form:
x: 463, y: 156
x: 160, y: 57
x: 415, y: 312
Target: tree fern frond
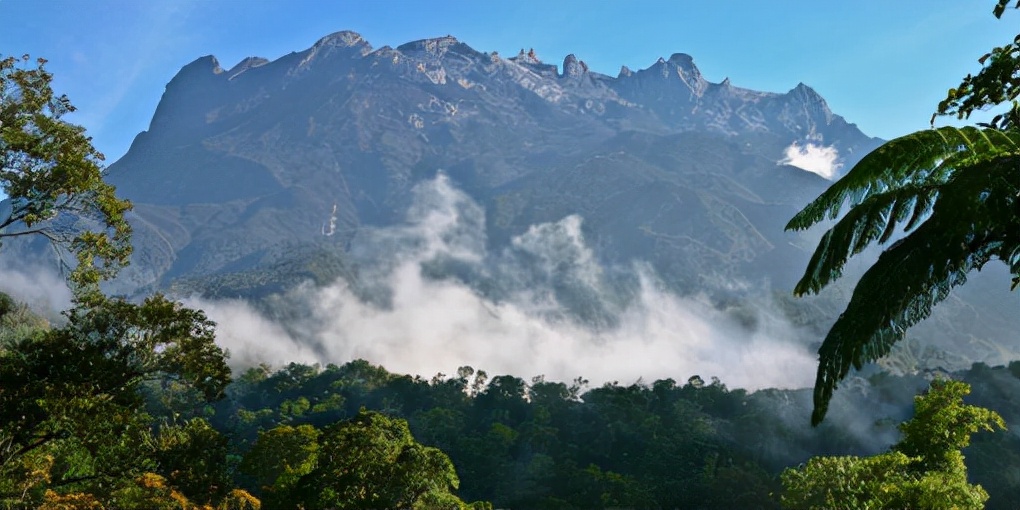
x: 899, y: 212
x: 874, y: 219
x: 924, y: 157
x: 974, y: 221
x: 922, y: 206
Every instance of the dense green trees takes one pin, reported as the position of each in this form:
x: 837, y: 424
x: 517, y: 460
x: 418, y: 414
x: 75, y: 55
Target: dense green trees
x: 953, y: 192
x: 544, y: 444
x: 538, y: 444
x: 372, y: 461
x: 71, y: 414
x: 520, y: 444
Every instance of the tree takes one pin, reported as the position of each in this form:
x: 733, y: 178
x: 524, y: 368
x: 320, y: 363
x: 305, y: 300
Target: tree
x: 372, y: 461
x: 954, y: 193
x: 52, y: 175
x: 192, y: 457
x: 279, y: 458
x: 74, y: 431
x: 924, y: 470
x: 71, y: 415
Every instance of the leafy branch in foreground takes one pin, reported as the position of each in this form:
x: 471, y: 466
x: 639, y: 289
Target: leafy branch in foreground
x: 998, y: 82
x: 53, y: 177
x: 955, y: 192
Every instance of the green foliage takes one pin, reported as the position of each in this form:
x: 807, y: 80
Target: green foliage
x: 539, y: 445
x: 17, y: 321
x: 192, y: 458
x: 53, y: 177
x: 997, y: 83
x: 160, y: 336
x: 71, y: 415
x: 372, y: 461
x: 924, y: 470
x: 954, y: 193
x: 279, y: 458
x: 543, y: 444
x: 943, y: 425
x: 846, y: 482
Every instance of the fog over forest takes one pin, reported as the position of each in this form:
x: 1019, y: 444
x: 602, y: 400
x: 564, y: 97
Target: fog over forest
x: 420, y: 325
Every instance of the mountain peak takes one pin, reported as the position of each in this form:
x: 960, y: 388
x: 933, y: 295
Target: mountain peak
x: 807, y: 94
x: 680, y: 67
x: 573, y: 67
x: 246, y: 64
x: 337, y: 42
x: 682, y: 60
x: 436, y: 46
x: 203, y: 65
x: 342, y: 39
x: 526, y: 58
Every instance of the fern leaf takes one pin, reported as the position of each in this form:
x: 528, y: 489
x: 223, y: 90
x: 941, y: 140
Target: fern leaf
x: 873, y: 219
x: 974, y: 220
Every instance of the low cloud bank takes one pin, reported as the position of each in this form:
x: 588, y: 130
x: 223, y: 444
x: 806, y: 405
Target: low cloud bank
x: 542, y: 306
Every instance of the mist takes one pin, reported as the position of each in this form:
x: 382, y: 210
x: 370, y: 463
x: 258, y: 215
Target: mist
x: 42, y: 288
x: 432, y: 298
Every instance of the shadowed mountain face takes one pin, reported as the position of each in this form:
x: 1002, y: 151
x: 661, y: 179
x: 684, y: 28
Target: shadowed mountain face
x: 243, y: 166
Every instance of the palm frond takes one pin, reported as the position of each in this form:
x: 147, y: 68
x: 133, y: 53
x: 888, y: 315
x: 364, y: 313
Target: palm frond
x: 975, y: 219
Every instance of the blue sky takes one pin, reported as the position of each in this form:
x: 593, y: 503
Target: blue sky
x: 881, y: 64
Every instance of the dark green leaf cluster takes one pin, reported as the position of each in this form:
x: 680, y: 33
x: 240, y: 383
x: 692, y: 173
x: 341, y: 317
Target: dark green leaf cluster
x: 72, y: 417
x: 954, y: 193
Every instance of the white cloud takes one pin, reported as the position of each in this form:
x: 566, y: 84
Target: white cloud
x: 429, y: 320
x: 816, y: 159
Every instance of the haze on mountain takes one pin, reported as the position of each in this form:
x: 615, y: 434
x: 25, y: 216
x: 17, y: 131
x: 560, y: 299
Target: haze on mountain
x: 532, y: 216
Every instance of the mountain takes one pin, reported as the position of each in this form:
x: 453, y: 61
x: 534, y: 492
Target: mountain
x: 241, y: 163
x: 253, y: 178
